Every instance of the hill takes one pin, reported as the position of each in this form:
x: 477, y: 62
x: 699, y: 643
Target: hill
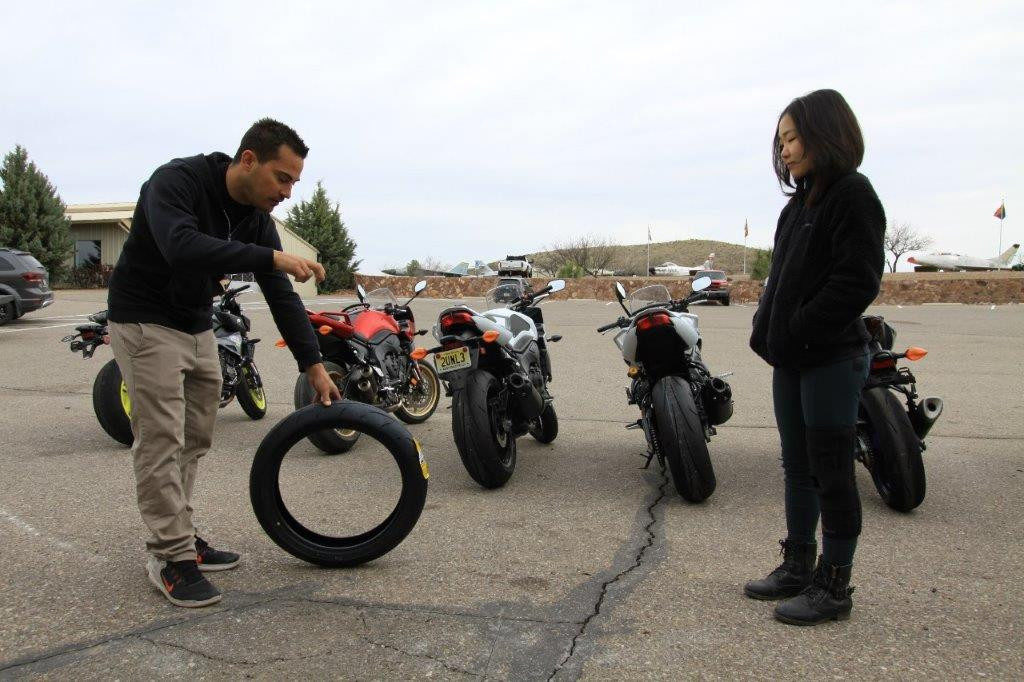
x: 632, y: 258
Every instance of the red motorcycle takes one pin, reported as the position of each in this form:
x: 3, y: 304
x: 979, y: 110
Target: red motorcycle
x: 368, y: 351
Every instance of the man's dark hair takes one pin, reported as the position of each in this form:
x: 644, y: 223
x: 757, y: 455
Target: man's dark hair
x: 831, y: 137
x: 265, y: 138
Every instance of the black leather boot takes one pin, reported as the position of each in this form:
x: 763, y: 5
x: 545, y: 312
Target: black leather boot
x: 788, y: 579
x: 826, y: 598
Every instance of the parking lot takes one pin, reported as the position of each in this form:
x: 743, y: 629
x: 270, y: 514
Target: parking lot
x: 584, y: 565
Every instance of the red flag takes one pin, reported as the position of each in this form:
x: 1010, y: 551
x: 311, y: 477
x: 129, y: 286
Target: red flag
x: 1001, y: 211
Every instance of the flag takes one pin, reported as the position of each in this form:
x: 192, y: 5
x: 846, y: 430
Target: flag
x: 648, y: 234
x: 1001, y: 211
x: 746, y: 229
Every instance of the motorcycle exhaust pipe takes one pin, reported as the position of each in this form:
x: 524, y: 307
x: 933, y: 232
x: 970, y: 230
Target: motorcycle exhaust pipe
x: 718, y: 403
x: 526, y: 399
x: 924, y: 415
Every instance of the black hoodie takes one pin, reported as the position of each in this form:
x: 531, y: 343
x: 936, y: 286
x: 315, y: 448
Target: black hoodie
x: 187, y: 233
x: 826, y: 270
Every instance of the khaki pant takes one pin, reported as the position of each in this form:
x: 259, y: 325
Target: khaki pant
x: 174, y: 382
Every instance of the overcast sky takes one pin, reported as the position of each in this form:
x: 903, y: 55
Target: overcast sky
x: 462, y: 130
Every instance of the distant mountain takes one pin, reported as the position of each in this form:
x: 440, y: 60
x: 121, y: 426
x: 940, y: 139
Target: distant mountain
x: 632, y: 258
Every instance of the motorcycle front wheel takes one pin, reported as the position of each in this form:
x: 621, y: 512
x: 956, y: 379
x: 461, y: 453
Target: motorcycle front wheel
x: 681, y: 436
x: 250, y: 393
x: 485, y: 443
x: 544, y: 429
x: 896, y: 465
x: 422, y: 400
x: 265, y: 490
x: 112, y: 404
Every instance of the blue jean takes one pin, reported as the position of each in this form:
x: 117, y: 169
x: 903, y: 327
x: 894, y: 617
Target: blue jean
x: 816, y: 412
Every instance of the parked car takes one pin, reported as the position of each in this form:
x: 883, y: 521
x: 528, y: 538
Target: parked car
x: 510, y: 289
x: 719, y: 289
x: 24, y: 278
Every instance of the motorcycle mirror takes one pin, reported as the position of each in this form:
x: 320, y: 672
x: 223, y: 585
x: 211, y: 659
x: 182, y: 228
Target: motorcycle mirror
x: 361, y: 293
x: 620, y: 292
x: 556, y: 285
x: 701, y: 283
x: 555, y: 338
x: 420, y: 286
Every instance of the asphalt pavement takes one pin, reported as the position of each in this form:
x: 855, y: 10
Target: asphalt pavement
x: 584, y: 566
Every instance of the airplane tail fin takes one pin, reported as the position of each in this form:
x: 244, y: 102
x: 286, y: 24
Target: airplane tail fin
x: 1006, y: 256
x: 460, y: 269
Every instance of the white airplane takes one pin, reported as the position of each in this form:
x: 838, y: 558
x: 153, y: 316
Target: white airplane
x: 670, y: 269
x: 952, y: 262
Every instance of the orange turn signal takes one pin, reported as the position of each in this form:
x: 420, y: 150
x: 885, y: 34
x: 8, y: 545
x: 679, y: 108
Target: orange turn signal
x: 281, y: 344
x: 325, y: 330
x: 914, y: 353
x: 418, y: 354
x: 491, y: 335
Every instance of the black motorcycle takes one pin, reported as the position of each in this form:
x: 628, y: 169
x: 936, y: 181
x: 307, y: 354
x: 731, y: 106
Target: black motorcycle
x: 890, y: 437
x: 111, y: 401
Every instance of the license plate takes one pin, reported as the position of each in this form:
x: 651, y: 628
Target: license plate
x: 451, y: 360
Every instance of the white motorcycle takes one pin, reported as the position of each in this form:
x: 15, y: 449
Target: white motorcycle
x: 497, y: 367
x: 680, y: 401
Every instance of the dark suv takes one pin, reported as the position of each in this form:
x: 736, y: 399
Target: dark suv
x: 719, y: 289
x: 25, y: 280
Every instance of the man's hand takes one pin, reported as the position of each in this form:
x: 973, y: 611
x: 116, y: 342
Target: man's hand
x: 299, y: 268
x: 322, y: 384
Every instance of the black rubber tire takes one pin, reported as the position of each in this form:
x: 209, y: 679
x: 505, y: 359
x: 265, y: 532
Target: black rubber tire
x: 249, y: 404
x: 681, y: 436
x: 330, y: 442
x: 488, y: 461
x: 725, y: 301
x: 546, y: 430
x: 430, y: 375
x: 299, y: 541
x: 106, y: 403
x: 897, y: 468
x: 6, y: 312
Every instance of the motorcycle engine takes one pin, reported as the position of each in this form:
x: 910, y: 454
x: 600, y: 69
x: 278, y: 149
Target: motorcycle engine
x: 229, y: 369
x: 396, y: 369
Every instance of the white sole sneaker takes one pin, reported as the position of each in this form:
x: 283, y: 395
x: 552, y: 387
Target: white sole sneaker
x: 153, y: 568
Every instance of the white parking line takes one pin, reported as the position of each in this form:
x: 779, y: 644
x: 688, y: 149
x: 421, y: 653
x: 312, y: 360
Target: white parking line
x: 27, y: 528
x: 29, y: 329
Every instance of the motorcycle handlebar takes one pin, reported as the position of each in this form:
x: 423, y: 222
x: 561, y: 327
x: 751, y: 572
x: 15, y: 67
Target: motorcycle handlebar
x: 612, y: 325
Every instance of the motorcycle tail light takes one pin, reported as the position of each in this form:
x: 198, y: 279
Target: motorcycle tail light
x: 452, y: 319
x: 883, y: 363
x: 653, y: 320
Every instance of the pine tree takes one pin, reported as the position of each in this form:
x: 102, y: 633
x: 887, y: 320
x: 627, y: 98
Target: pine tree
x: 319, y: 223
x: 32, y: 214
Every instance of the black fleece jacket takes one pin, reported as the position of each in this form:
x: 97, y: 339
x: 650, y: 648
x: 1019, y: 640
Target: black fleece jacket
x: 187, y: 232
x: 826, y: 270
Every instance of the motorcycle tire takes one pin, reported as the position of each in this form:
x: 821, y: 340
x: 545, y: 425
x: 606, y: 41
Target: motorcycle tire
x: 487, y: 452
x: 323, y: 550
x: 681, y: 436
x: 432, y: 393
x: 111, y: 403
x: 545, y: 427
x: 897, y: 468
x: 250, y: 393
x: 330, y: 441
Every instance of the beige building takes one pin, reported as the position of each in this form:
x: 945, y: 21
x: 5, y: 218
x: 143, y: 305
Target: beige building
x: 100, y: 230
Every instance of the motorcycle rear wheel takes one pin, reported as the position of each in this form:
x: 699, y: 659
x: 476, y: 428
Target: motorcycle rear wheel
x: 330, y: 441
x: 487, y: 449
x: 681, y: 436
x: 112, y: 404
x: 324, y: 550
x: 897, y: 468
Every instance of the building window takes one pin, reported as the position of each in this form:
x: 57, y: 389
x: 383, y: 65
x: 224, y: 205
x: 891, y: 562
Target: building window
x: 87, y: 253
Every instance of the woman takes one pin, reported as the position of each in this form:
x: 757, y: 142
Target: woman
x: 826, y: 269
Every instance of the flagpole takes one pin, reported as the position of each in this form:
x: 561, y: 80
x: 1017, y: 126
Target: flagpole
x: 746, y: 229
x: 648, y: 272
x: 1002, y: 215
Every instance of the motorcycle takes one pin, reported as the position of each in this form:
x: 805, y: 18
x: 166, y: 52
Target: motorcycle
x: 240, y: 377
x: 497, y: 366
x: 890, y: 438
x: 681, y: 403
x: 367, y: 349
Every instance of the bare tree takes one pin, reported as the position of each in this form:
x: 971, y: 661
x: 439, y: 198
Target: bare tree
x: 901, y: 238
x: 592, y: 254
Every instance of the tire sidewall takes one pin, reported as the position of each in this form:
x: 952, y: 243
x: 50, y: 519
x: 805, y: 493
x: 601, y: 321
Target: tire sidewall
x: 474, y: 438
x: 897, y: 468
x: 681, y: 436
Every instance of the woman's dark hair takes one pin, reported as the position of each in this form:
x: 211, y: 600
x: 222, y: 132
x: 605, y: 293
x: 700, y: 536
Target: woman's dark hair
x: 831, y: 137
x: 265, y: 138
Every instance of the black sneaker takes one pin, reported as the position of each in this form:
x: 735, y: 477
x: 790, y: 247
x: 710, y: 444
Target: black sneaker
x: 210, y: 559
x: 182, y: 583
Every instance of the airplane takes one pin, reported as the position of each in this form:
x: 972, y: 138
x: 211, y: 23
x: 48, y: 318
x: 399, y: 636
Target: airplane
x: 670, y: 269
x: 479, y: 269
x: 933, y: 262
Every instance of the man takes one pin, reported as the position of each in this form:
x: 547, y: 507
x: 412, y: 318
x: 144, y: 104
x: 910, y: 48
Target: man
x: 197, y: 219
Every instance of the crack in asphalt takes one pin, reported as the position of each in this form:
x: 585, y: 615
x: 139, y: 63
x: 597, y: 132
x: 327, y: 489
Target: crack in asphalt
x: 433, y: 611
x: 390, y: 647
x: 638, y: 560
